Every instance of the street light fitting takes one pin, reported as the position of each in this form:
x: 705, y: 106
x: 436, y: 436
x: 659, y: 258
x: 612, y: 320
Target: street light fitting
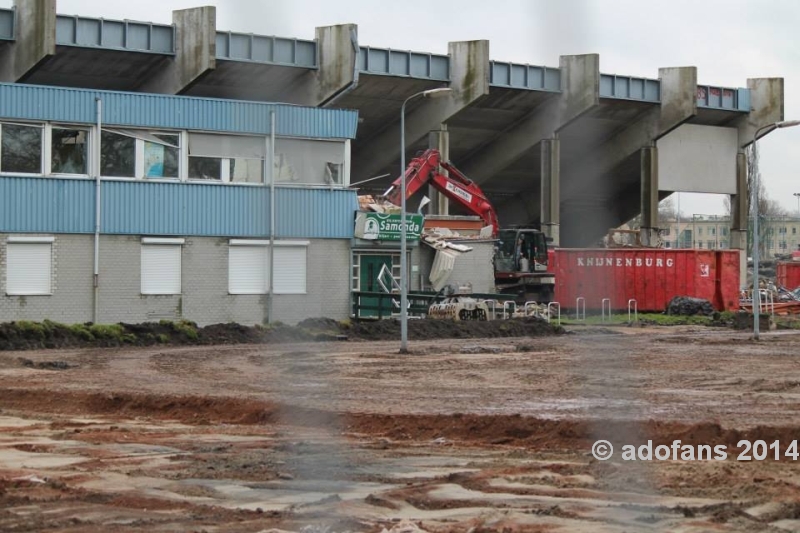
x: 437, y: 93
x: 787, y: 123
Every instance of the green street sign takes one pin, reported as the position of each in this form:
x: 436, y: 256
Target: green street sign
x: 386, y: 227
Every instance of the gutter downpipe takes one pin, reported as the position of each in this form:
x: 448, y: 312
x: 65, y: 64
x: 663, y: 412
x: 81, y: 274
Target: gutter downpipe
x: 271, y: 216
x: 97, y: 151
x: 353, y: 84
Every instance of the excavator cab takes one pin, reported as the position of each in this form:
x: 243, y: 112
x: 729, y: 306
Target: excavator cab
x: 521, y: 250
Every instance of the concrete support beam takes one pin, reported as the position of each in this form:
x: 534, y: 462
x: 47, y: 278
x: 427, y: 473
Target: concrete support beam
x: 580, y: 92
x: 739, y: 205
x: 678, y: 104
x: 35, y: 40
x: 551, y: 197
x: 338, y: 64
x: 649, y: 203
x: 195, y: 52
x: 766, y: 107
x: 469, y: 80
x: 440, y: 140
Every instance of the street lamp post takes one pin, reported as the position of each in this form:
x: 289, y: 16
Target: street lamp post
x: 754, y: 209
x: 431, y: 93
x: 797, y: 195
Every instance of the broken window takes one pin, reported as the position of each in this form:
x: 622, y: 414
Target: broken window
x: 128, y: 153
x: 309, y: 162
x: 227, y: 158
x: 69, y: 151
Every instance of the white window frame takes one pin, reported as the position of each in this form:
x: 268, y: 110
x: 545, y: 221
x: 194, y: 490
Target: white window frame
x: 249, y: 243
x: 43, y: 163
x: 164, y: 241
x: 225, y: 162
x: 12, y: 240
x: 138, y: 152
x: 48, y: 149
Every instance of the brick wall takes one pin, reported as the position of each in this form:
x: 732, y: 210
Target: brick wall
x: 71, y: 301
x: 204, y: 298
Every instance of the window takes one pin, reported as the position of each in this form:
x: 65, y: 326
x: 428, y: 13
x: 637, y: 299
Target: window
x: 666, y: 232
x: 161, y: 266
x: 700, y: 230
x: 712, y: 231
x: 667, y: 244
x: 783, y: 245
x: 29, y: 265
x: 139, y: 154
x: 21, y: 148
x: 725, y: 232
x: 794, y: 231
x: 290, y: 269
x: 248, y: 267
x: 249, y: 264
x: 723, y: 244
x: 226, y: 158
x: 710, y: 245
x: 68, y: 151
x: 305, y: 161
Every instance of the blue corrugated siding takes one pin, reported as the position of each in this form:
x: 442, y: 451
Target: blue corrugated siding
x: 173, y: 112
x: 148, y: 208
x: 30, y: 205
x: 55, y: 205
x: 316, y: 213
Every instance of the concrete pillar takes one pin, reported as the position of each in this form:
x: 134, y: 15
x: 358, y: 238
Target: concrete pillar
x: 338, y: 63
x: 440, y: 140
x: 469, y: 80
x: 739, y: 205
x: 35, y: 40
x: 580, y: 92
x: 195, y: 52
x: 766, y: 107
x: 551, y: 197
x: 649, y: 203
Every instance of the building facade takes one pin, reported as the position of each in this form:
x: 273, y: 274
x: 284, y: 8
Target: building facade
x: 135, y: 207
x: 779, y: 235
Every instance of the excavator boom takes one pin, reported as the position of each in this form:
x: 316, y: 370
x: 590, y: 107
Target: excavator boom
x: 425, y: 170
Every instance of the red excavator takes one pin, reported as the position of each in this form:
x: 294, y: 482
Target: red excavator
x: 520, y: 259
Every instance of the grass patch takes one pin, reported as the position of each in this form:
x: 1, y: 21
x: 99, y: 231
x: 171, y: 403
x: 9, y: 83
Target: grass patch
x: 82, y: 332
x: 657, y: 319
x: 107, y: 331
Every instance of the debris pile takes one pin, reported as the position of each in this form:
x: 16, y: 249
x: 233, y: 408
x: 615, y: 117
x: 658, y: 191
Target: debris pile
x: 687, y: 306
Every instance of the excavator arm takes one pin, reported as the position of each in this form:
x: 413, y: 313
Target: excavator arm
x: 424, y: 170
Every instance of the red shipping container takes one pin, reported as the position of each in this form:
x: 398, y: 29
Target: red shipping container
x: 787, y: 274
x: 651, y: 276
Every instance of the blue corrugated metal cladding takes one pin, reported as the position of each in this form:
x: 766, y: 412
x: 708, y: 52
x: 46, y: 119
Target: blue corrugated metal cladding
x: 53, y: 205
x: 60, y: 104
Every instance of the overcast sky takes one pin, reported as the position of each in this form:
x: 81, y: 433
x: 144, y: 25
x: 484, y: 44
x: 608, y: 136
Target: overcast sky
x: 728, y: 41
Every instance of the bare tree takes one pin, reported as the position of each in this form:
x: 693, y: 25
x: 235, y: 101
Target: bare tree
x: 768, y: 209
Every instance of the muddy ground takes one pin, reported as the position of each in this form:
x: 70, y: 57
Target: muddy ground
x: 461, y: 435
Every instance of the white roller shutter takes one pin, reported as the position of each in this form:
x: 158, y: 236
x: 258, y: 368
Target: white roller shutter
x: 248, y: 269
x: 290, y: 270
x: 161, y: 268
x: 29, y: 267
